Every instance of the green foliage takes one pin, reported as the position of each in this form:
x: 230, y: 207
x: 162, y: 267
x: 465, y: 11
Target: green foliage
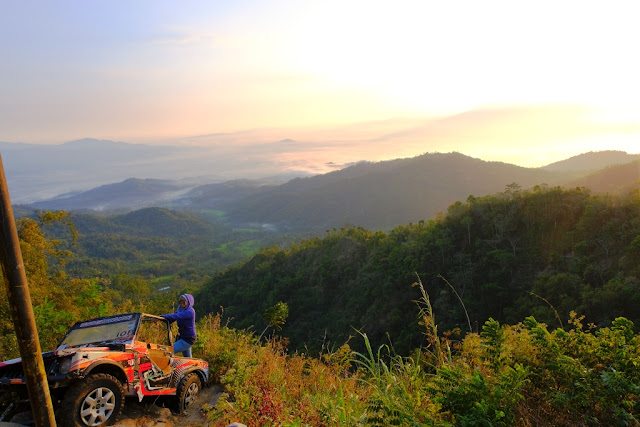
x: 508, y: 375
x: 168, y: 248
x: 397, y: 388
x: 275, y: 317
x: 535, y: 255
x: 265, y: 385
x: 52, y: 323
x: 492, y: 341
x: 540, y: 252
x: 476, y: 400
x: 427, y: 320
x: 44, y: 267
x: 59, y: 300
x: 590, y: 376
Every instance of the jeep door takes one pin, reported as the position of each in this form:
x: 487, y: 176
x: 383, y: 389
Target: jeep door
x: 154, y: 359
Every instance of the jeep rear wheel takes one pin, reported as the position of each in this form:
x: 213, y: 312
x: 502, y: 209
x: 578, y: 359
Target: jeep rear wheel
x: 187, y: 392
x: 96, y: 401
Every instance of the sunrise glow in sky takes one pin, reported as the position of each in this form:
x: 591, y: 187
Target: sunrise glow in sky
x: 527, y: 82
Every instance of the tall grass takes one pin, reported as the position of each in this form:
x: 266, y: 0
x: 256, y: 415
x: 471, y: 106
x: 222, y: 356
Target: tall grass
x: 507, y: 375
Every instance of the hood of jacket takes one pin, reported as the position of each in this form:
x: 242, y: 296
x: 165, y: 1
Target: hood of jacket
x: 189, y: 299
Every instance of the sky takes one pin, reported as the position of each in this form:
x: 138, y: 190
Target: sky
x: 525, y: 82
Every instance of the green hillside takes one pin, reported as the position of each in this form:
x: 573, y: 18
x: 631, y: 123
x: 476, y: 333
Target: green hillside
x: 542, y: 252
x: 380, y: 196
x: 173, y: 249
x: 546, y: 280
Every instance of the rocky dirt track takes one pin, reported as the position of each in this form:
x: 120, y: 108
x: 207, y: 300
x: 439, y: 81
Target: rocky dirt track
x: 143, y: 414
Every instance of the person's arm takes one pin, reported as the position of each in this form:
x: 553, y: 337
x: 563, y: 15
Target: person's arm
x: 186, y: 314
x: 169, y: 317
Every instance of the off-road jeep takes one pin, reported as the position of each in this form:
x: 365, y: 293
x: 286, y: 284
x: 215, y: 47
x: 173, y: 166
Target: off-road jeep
x: 99, y: 362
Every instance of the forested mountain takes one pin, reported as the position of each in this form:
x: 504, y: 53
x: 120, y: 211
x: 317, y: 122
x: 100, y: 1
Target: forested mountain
x: 127, y: 195
x: 533, y: 253
x: 133, y: 193
x: 373, y: 195
x: 542, y: 252
x: 612, y: 179
x: 492, y: 249
x: 382, y: 195
x: 378, y: 195
x: 592, y: 161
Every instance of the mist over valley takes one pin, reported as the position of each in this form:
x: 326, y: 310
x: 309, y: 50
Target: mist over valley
x: 109, y: 177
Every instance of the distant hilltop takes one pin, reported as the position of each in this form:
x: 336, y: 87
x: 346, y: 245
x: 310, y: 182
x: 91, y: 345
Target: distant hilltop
x: 370, y: 194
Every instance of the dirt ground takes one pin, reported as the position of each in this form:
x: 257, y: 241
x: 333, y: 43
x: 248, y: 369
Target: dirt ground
x: 143, y: 414
x: 149, y: 414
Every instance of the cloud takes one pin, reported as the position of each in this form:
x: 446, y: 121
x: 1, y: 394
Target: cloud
x: 524, y: 135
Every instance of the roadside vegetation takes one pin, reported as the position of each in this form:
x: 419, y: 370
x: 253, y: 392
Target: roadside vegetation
x: 525, y: 374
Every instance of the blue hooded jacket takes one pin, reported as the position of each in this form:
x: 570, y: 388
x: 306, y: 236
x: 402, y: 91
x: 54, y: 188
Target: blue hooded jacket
x: 186, y: 319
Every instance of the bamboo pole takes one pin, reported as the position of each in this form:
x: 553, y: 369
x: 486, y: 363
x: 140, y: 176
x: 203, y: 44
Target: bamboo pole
x: 15, y: 280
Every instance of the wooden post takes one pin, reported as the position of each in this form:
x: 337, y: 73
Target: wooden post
x: 15, y: 280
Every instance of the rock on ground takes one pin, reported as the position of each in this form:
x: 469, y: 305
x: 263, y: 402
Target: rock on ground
x: 149, y: 414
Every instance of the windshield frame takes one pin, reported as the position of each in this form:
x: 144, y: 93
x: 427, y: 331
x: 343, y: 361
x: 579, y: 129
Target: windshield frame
x: 115, y: 329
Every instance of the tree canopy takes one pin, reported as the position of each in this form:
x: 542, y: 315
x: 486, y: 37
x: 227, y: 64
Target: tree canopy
x: 542, y: 252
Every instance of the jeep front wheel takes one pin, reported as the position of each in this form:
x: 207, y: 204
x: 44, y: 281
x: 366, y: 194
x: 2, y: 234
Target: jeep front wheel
x: 96, y: 401
x: 187, y: 392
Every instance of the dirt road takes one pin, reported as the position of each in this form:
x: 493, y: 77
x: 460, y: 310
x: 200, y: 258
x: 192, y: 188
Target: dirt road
x: 148, y: 414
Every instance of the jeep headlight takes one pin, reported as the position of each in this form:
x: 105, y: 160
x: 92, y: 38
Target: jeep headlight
x: 65, y: 366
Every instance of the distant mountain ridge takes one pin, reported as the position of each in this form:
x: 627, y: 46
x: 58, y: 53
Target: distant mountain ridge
x: 592, y: 161
x: 373, y: 195
x: 133, y: 193
x: 130, y: 194
x: 385, y: 194
x: 611, y: 179
x: 37, y: 172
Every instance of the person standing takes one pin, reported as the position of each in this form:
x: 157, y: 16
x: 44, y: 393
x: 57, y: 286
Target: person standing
x: 185, y: 317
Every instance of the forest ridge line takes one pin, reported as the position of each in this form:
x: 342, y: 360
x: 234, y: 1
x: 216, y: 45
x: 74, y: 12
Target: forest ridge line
x: 376, y: 195
x: 36, y: 172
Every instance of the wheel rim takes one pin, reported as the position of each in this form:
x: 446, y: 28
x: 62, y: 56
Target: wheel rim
x: 191, y: 395
x: 98, y: 406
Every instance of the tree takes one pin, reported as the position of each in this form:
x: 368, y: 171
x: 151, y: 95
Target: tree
x: 275, y: 317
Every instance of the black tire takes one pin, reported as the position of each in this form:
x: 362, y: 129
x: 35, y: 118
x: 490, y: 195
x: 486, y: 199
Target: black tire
x: 187, y: 392
x: 10, y: 404
x: 95, y: 401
